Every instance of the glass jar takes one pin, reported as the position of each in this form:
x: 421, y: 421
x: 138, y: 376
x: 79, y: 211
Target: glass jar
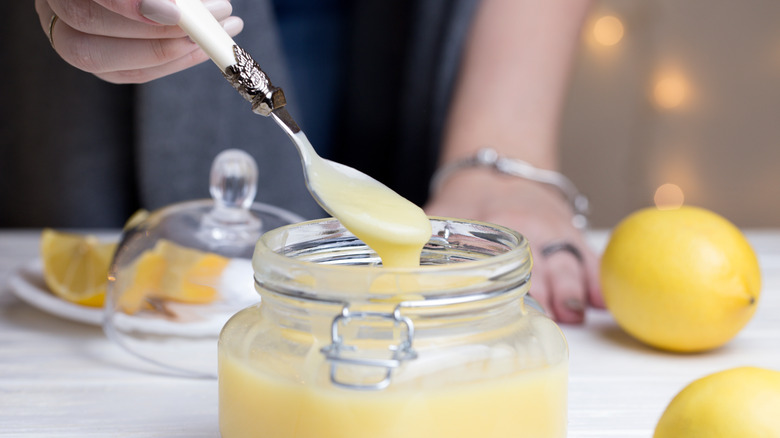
x: 341, y: 347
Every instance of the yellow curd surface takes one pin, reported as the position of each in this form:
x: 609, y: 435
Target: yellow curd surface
x: 388, y: 223
x: 531, y: 403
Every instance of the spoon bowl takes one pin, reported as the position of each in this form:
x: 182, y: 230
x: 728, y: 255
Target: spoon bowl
x: 393, y: 226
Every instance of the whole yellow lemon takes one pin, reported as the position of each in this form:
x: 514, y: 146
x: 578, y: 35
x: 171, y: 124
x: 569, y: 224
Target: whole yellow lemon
x: 682, y: 280
x: 740, y: 402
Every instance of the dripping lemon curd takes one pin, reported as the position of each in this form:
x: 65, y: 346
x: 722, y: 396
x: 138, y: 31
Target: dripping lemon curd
x: 290, y: 395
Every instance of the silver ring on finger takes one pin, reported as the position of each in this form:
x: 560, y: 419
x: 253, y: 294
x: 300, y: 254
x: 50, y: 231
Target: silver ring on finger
x: 562, y: 246
x: 52, y: 22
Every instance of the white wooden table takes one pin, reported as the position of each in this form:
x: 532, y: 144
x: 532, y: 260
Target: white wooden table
x: 60, y: 378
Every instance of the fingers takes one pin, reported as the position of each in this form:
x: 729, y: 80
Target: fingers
x: 45, y: 14
x: 134, y: 9
x: 540, y: 290
x: 107, y: 57
x: 167, y: 61
x: 100, y: 54
x: 111, y: 39
x: 91, y: 18
x: 562, y: 282
x: 566, y: 284
x: 139, y: 76
x: 591, y: 265
x: 565, y: 280
x: 151, y: 11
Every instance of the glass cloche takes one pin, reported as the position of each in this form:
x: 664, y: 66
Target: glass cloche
x: 182, y: 271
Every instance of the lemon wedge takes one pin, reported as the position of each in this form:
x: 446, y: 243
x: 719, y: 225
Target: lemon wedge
x: 170, y: 272
x: 75, y: 267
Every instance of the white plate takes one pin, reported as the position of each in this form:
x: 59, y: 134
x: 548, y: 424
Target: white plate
x: 28, y: 285
x: 236, y: 287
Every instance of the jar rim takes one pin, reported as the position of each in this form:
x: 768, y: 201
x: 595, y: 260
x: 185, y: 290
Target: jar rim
x: 512, y: 255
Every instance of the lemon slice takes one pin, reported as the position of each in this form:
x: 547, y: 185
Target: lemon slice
x: 140, y: 281
x: 75, y: 267
x: 136, y: 219
x: 171, y: 272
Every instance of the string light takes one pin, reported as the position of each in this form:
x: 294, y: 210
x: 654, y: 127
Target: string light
x: 670, y: 91
x: 669, y: 197
x: 608, y: 30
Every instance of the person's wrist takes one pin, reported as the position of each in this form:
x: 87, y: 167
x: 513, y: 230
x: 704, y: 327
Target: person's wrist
x: 496, y: 165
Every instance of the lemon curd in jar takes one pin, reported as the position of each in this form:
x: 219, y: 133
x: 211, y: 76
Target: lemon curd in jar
x: 342, y: 347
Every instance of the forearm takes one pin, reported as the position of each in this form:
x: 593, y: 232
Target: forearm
x: 509, y: 97
x: 512, y: 85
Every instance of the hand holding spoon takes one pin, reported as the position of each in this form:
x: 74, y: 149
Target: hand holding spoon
x: 394, y: 227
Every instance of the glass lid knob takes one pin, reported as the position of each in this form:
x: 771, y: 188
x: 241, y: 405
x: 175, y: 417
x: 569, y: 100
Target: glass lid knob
x: 233, y: 186
x: 233, y: 181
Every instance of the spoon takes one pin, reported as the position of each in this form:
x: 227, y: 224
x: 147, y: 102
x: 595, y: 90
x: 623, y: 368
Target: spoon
x: 391, y: 225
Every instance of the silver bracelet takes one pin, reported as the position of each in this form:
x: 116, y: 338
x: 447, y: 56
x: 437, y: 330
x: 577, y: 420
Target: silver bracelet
x: 488, y: 157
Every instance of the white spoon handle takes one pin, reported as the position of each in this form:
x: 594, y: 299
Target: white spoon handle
x: 206, y: 31
x: 238, y: 67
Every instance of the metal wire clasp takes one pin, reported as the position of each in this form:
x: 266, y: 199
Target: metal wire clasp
x: 335, y: 352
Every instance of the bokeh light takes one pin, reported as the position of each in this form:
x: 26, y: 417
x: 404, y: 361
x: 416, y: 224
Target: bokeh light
x: 608, y: 30
x: 669, y: 197
x: 670, y: 91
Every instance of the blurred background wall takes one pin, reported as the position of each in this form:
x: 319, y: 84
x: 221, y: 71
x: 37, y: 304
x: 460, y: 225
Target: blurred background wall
x: 674, y: 98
